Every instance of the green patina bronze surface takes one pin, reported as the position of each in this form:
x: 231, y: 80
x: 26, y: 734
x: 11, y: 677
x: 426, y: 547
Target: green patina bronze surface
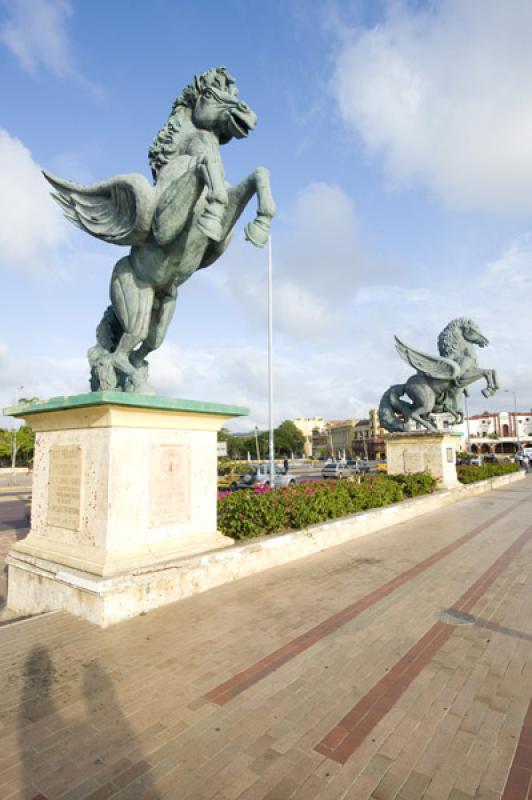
x: 111, y: 398
x: 440, y: 381
x: 180, y: 224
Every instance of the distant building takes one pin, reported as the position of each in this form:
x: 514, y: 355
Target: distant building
x: 307, y: 425
x: 368, y: 441
x: 342, y: 435
x: 349, y: 438
x: 498, y: 432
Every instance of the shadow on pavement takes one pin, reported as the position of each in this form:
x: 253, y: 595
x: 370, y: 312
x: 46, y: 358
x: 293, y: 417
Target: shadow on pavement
x: 97, y: 752
x: 462, y: 618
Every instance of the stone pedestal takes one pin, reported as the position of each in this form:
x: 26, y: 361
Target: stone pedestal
x: 421, y: 451
x: 124, y: 486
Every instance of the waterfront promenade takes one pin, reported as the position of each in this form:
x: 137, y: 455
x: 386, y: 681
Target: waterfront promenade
x: 394, y: 667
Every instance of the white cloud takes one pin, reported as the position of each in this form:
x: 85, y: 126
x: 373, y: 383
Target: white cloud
x: 442, y: 94
x: 35, y: 32
x: 31, y: 227
x: 338, y: 378
x: 319, y: 264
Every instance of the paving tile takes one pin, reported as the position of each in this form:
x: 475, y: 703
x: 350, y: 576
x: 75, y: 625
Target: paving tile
x: 121, y: 714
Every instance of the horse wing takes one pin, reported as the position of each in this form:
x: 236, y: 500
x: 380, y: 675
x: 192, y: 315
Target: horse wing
x: 433, y: 366
x: 119, y: 210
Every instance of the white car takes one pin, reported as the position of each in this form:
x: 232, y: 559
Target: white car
x: 259, y: 474
x: 336, y: 469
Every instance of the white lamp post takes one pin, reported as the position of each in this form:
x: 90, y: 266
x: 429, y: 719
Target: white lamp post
x: 270, y: 364
x: 468, y: 445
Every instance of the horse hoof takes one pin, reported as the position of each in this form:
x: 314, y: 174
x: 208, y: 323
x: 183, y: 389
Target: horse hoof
x: 140, y: 388
x: 257, y: 233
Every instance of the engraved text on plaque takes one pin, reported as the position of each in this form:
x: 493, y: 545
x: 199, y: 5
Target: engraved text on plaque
x: 64, y: 487
x: 414, y: 461
x: 169, y: 484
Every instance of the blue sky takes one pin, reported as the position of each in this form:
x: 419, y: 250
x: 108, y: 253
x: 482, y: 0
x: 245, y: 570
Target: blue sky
x: 398, y: 136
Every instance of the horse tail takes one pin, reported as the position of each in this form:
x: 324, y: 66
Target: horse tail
x: 108, y: 335
x: 109, y: 330
x: 390, y: 403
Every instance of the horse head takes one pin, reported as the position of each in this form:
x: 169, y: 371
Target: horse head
x: 210, y: 102
x: 451, y: 341
x: 216, y: 106
x: 471, y: 332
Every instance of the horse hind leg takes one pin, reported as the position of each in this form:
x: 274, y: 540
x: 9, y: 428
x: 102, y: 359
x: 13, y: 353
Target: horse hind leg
x: 423, y: 399
x: 161, y: 316
x: 132, y: 301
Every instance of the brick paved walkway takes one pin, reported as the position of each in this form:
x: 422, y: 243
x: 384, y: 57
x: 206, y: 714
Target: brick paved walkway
x: 337, y: 676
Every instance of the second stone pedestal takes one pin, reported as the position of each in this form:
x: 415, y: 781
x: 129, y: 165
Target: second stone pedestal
x: 124, y: 487
x: 421, y: 451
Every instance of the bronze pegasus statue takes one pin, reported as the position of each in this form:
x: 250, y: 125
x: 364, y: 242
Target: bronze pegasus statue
x: 181, y: 223
x: 439, y: 382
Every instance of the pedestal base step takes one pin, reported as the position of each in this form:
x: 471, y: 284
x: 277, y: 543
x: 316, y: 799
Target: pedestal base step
x: 39, y: 584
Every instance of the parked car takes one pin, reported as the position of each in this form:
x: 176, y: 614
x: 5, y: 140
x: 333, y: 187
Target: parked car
x: 476, y: 461
x: 229, y: 481
x: 358, y: 464
x: 258, y: 475
x: 337, y: 470
x: 381, y: 466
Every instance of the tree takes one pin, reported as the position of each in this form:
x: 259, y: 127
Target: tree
x: 288, y: 439
x: 25, y: 444
x: 224, y: 435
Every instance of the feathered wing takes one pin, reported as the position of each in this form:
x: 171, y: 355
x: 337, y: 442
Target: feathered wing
x: 119, y: 210
x: 433, y: 366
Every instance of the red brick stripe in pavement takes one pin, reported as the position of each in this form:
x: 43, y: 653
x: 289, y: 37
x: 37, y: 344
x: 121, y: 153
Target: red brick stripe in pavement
x: 226, y: 691
x: 341, y: 742
x: 519, y: 783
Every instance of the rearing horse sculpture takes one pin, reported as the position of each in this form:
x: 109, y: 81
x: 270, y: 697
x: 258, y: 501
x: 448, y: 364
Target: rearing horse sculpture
x: 180, y: 224
x: 440, y: 380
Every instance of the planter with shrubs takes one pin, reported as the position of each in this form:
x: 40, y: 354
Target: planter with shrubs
x: 243, y: 515
x: 469, y: 474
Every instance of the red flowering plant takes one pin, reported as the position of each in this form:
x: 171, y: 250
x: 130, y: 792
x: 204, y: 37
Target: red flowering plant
x: 266, y: 510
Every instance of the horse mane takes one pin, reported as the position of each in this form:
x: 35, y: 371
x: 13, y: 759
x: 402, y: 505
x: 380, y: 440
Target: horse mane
x: 451, y: 339
x: 166, y: 143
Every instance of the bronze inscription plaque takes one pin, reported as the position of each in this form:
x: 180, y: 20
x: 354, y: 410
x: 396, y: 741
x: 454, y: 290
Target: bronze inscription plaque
x: 64, y: 487
x: 169, y: 466
x: 414, y: 461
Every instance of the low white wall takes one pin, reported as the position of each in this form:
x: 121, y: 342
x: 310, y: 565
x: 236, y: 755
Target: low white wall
x: 44, y: 586
x: 254, y: 555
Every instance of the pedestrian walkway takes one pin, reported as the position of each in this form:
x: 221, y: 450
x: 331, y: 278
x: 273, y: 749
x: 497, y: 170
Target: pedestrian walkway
x: 393, y: 667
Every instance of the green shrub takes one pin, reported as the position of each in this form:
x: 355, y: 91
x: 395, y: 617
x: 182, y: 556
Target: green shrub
x: 246, y: 514
x: 468, y: 474
x: 415, y: 484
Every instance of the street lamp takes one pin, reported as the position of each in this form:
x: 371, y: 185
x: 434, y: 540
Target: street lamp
x: 270, y: 363
x: 468, y: 445
x: 516, y: 425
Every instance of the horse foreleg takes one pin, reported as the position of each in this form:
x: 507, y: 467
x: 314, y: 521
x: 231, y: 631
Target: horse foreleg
x: 258, y: 230
x: 238, y: 197
x: 210, y: 221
